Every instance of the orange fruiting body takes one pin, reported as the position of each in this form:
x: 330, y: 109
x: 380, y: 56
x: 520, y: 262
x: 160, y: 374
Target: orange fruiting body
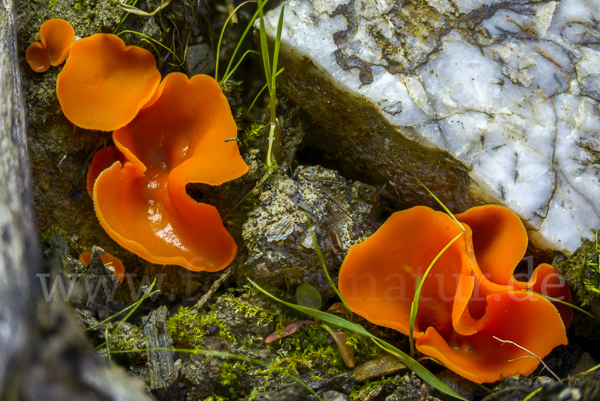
x: 36, y: 57
x: 105, y: 83
x: 142, y: 203
x: 56, y: 36
x: 111, y: 262
x: 470, y: 295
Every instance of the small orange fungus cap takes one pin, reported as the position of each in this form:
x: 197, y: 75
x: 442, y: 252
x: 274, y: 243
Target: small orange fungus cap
x: 36, y: 57
x: 56, y: 36
x: 143, y: 205
x: 110, y: 262
x: 104, y: 83
x: 470, y: 295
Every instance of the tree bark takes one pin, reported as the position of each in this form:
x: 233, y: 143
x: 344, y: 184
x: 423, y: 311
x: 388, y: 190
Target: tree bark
x: 44, y: 353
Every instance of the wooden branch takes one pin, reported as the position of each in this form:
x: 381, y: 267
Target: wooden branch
x: 44, y: 353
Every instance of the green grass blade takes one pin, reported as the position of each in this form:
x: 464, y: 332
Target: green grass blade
x: 124, y: 18
x: 414, y: 308
x: 345, y: 324
x: 107, y: 344
x: 248, y: 28
x: 137, y: 304
x: 259, y: 93
x: 441, y: 204
x: 564, y: 303
x: 273, y: 91
x: 155, y: 41
x: 236, y: 66
x: 277, y: 45
x: 264, y: 48
x: 532, y: 394
x: 221, y: 38
x: 155, y: 50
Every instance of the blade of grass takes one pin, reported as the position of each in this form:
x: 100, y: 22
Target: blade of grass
x: 237, y: 65
x: 259, y: 93
x: 221, y: 38
x: 137, y: 304
x: 273, y: 88
x: 264, y: 49
x: 414, y: 308
x: 532, y: 394
x: 107, y: 344
x: 124, y: 18
x: 322, y: 260
x: 155, y: 41
x: 441, y: 204
x: 248, y: 28
x: 345, y: 324
x: 563, y: 302
x: 155, y: 49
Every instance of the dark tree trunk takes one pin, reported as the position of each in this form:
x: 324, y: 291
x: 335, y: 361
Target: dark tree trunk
x: 43, y: 351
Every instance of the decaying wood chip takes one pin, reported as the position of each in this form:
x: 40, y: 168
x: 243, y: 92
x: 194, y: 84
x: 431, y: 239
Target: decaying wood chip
x: 161, y: 369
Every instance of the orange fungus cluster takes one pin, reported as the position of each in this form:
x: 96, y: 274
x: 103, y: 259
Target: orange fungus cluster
x: 474, y: 315
x: 167, y: 134
x: 56, y: 35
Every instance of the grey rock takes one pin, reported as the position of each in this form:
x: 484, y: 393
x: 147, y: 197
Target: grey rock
x: 332, y: 395
x: 199, y: 59
x: 410, y: 388
x: 278, y: 237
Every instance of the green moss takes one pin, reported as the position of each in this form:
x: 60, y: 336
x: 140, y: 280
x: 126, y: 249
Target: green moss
x: 230, y: 372
x: 216, y: 398
x: 264, y: 315
x: 581, y: 271
x: 252, y: 133
x: 187, y: 326
x: 46, y: 236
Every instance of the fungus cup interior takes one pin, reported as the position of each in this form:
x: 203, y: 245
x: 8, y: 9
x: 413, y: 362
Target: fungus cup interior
x: 104, y: 83
x: 103, y: 159
x: 56, y: 36
x: 111, y: 262
x: 470, y: 295
x: 36, y: 57
x: 142, y: 203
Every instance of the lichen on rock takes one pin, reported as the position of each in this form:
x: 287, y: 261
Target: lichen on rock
x: 281, y: 251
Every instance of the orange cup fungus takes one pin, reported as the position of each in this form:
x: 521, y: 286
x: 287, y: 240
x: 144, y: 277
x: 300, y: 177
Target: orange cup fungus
x: 142, y: 203
x: 56, y: 36
x: 104, y: 83
x: 110, y: 262
x: 36, y: 57
x: 470, y: 299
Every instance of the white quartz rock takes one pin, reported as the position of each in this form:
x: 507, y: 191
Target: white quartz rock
x: 511, y: 91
